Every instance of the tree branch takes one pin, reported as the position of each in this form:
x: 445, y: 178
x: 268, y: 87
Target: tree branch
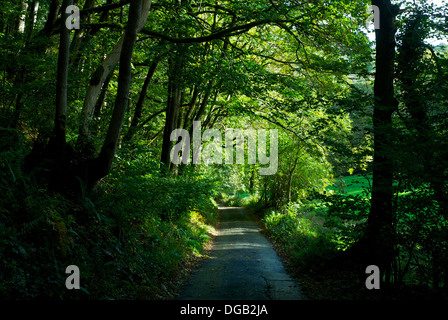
x: 217, y: 35
x: 106, y: 7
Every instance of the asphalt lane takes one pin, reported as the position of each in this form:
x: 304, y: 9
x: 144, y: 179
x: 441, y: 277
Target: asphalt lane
x: 242, y: 265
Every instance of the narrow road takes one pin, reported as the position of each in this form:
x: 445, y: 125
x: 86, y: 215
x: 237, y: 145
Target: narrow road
x: 242, y: 265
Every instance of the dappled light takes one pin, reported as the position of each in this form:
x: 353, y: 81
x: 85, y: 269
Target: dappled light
x: 255, y: 149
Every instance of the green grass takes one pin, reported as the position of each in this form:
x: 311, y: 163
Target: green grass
x: 354, y: 184
x: 357, y: 185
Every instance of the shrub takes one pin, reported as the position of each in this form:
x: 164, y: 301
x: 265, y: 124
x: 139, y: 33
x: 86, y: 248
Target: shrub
x: 346, y: 216
x: 301, y: 234
x: 128, y: 238
x: 422, y: 241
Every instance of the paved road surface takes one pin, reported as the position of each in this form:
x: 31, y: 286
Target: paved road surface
x: 242, y: 265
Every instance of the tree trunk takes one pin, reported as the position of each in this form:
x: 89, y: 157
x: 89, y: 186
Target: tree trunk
x: 31, y: 19
x: 191, y: 107
x: 79, y: 33
x: 252, y: 181
x: 22, y: 74
x: 105, y: 159
x: 412, y: 52
x: 100, y: 75
x: 58, y: 151
x: 93, y: 91
x: 380, y: 231
x: 204, y: 102
x: 100, y: 103
x: 52, y: 17
x: 139, y: 106
x: 61, y: 82
x: 290, y: 178
x: 173, y: 106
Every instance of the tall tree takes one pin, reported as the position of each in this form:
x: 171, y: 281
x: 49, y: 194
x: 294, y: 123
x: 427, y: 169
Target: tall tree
x: 101, y: 74
x: 174, y: 101
x: 380, y: 232
x: 424, y: 157
x: 61, y: 81
x: 104, y: 161
x: 141, y: 100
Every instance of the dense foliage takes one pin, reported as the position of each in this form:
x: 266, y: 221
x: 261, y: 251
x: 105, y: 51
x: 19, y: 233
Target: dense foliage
x: 85, y: 140
x: 131, y: 237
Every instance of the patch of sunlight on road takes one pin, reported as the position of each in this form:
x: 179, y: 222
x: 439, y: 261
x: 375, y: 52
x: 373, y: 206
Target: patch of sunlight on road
x: 237, y: 231
x: 240, y: 246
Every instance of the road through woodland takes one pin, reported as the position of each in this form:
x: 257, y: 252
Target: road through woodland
x: 242, y: 265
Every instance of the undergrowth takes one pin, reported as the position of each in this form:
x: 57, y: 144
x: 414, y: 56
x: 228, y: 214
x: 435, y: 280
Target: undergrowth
x: 131, y: 238
x: 318, y: 239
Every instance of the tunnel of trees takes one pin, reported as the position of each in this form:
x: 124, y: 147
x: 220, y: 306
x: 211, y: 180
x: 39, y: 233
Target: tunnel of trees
x: 92, y: 90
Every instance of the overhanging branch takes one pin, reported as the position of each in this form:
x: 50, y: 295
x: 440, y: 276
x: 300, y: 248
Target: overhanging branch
x: 217, y: 35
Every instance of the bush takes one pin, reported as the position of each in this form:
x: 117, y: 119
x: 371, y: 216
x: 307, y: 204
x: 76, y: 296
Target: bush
x: 239, y: 200
x: 422, y: 241
x: 129, y: 238
x: 346, y: 216
x: 36, y: 229
x: 159, y: 221
x: 301, y: 234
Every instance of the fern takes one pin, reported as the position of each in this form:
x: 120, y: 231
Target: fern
x: 28, y: 227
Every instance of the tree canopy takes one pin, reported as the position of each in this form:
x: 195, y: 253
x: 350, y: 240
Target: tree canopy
x: 88, y: 116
